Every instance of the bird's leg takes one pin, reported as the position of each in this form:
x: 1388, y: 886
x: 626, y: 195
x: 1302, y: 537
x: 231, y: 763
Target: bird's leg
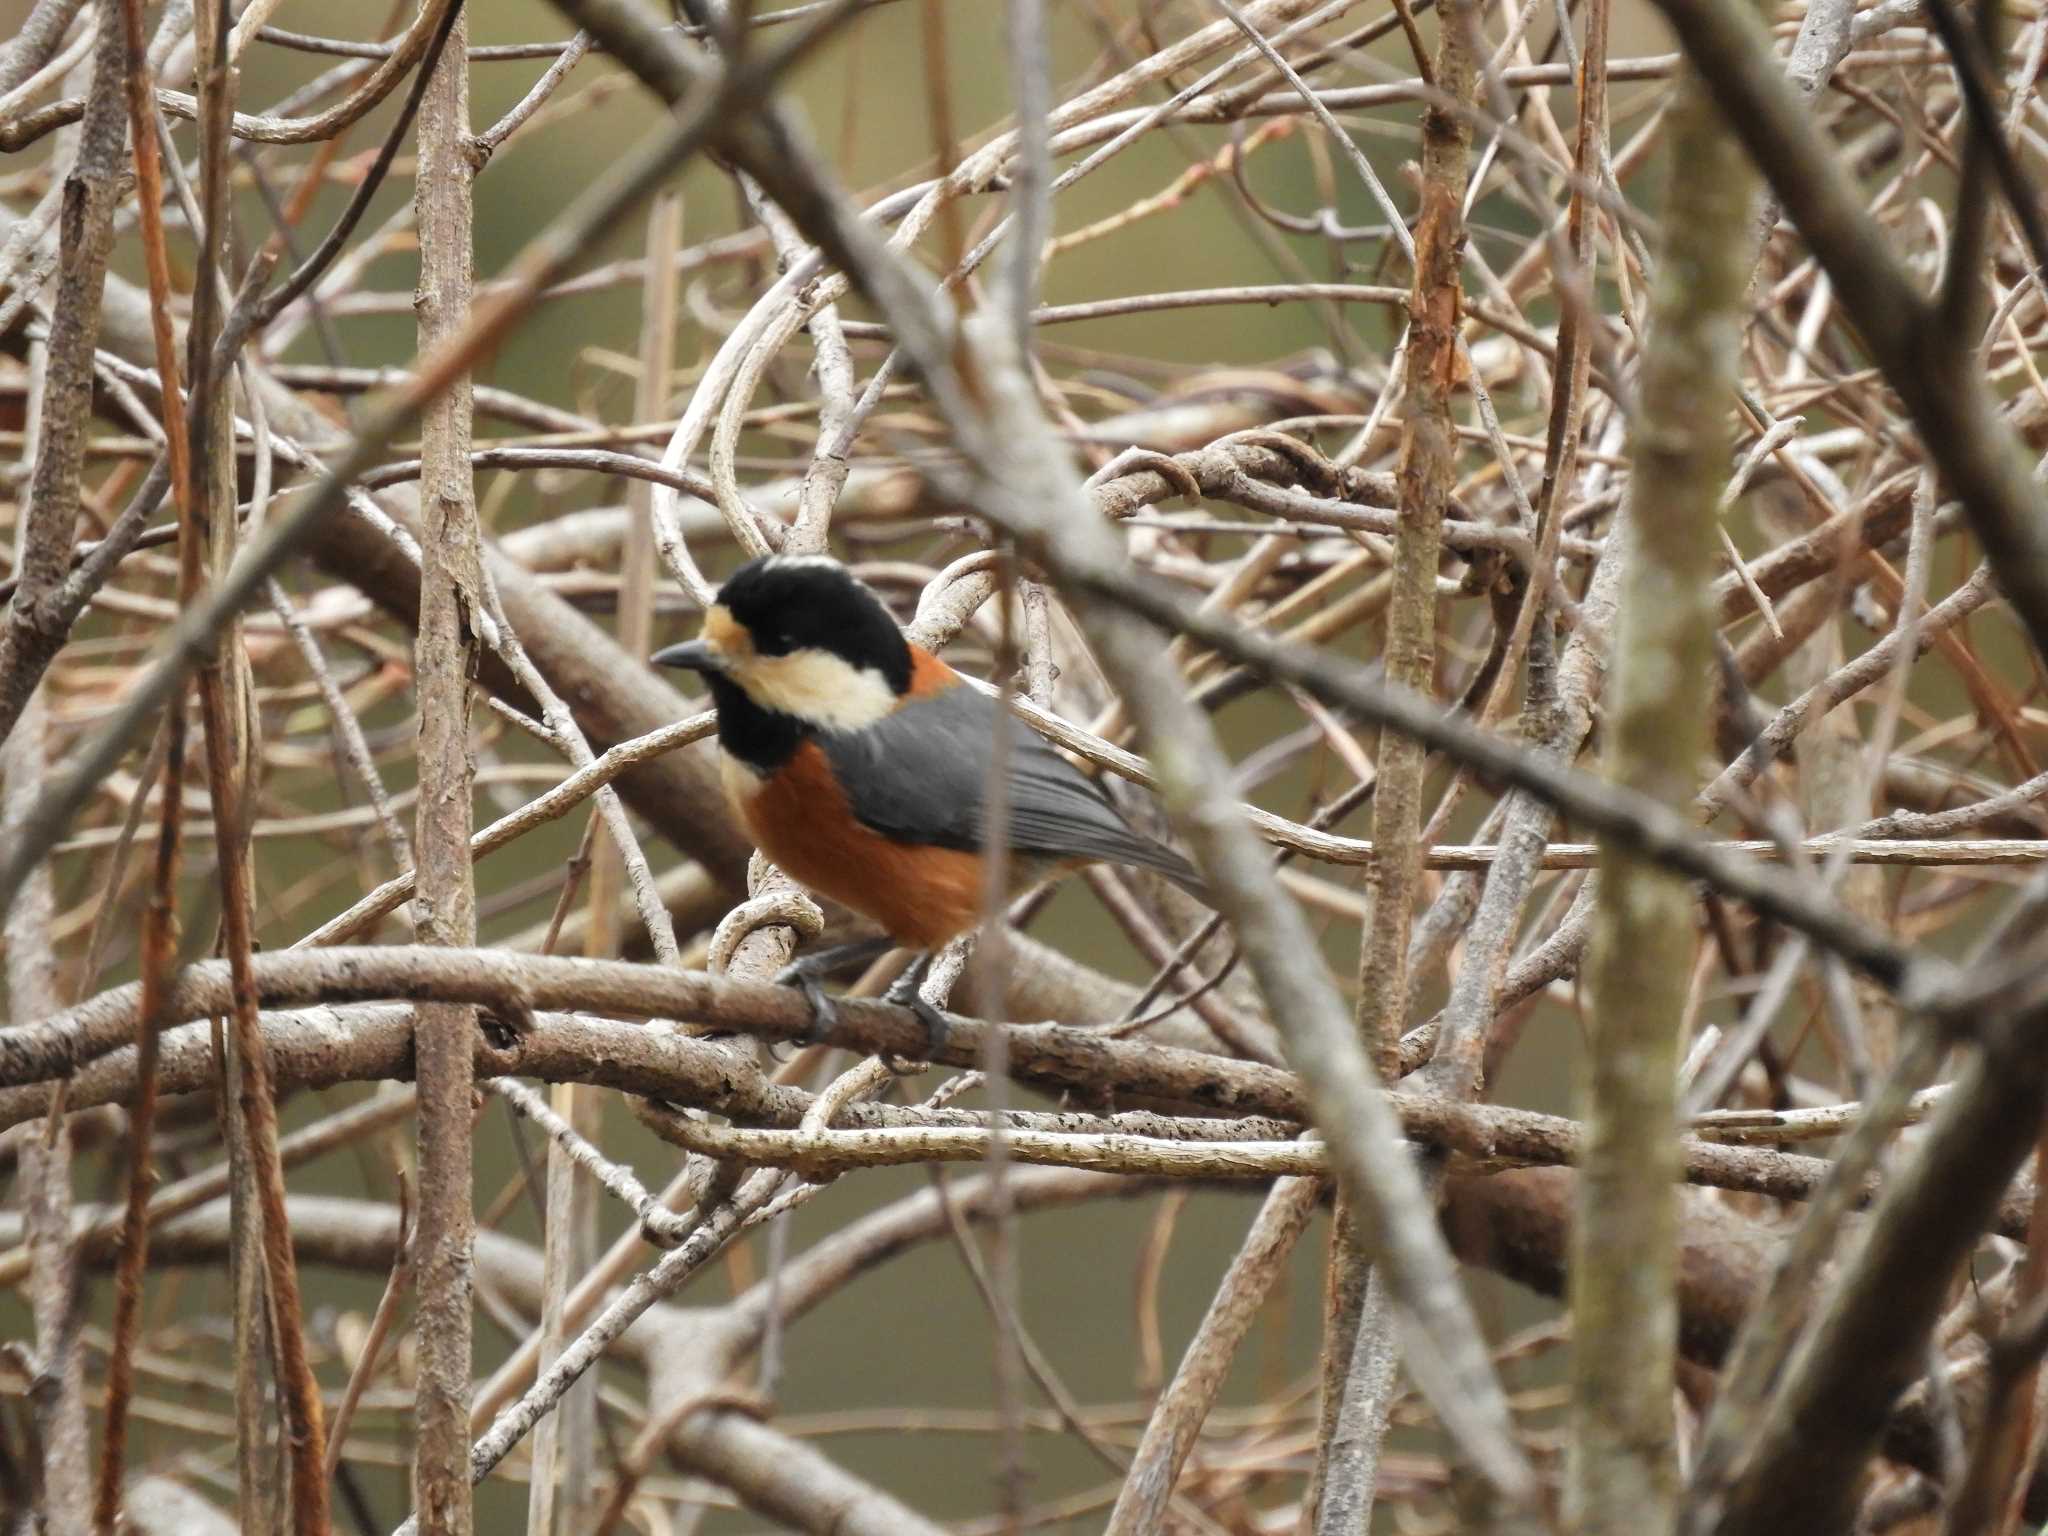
x: 808, y: 974
x: 903, y: 992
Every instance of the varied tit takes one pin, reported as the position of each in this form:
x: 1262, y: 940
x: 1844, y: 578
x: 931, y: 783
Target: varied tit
x: 859, y: 763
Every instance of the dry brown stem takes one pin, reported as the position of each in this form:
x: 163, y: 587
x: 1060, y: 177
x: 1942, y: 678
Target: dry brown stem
x: 1624, y: 1463
x: 450, y: 622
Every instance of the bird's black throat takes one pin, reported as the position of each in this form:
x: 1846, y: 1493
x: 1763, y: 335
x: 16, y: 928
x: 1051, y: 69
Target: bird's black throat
x: 763, y: 739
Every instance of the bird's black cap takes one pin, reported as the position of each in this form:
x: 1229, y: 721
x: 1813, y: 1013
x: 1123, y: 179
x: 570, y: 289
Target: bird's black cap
x: 809, y: 602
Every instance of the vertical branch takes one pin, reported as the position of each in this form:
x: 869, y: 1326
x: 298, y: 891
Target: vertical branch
x: 1360, y: 1357
x: 223, y: 688
x: 563, y: 1260
x: 1427, y: 469
x: 159, y: 943
x: 203, y: 545
x: 1031, y: 182
x: 1031, y: 212
x: 565, y: 1443
x: 945, y: 137
x: 1835, y: 783
x: 1170, y: 1433
x: 636, y: 557
x: 1962, y: 295
x: 149, y: 197
x: 159, y: 956
x: 451, y: 607
x: 260, y: 1501
x: 1359, y: 1360
x: 1622, y: 1469
x: 85, y: 221
x: 254, y: 1307
x: 991, y: 958
x: 636, y: 566
x: 226, y: 766
x: 57, y: 1390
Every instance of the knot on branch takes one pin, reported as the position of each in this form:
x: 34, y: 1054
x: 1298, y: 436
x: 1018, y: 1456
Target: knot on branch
x: 776, y: 903
x: 1310, y: 467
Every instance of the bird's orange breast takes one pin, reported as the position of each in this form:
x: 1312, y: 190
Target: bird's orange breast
x: 922, y: 896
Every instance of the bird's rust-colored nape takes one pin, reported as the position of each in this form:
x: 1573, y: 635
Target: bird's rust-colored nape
x: 929, y: 675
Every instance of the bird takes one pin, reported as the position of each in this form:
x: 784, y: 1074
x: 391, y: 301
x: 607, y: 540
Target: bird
x: 859, y: 763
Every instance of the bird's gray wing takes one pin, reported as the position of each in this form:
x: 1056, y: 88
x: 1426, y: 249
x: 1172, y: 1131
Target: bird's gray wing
x: 921, y: 776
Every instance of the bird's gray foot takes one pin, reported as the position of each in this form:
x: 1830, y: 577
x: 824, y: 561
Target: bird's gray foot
x: 808, y: 974
x: 903, y: 992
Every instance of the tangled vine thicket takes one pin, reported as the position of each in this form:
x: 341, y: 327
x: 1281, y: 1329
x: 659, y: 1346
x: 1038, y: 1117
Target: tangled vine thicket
x: 1616, y: 564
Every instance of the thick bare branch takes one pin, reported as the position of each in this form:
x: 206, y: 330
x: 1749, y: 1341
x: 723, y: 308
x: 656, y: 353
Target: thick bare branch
x: 450, y: 634
x: 1624, y: 1468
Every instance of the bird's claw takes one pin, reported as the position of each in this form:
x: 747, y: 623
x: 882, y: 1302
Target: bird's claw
x: 824, y: 1011
x: 936, y: 1029
x: 904, y: 994
x: 808, y: 974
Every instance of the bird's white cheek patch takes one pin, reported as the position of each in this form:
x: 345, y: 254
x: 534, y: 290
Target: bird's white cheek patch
x: 817, y: 687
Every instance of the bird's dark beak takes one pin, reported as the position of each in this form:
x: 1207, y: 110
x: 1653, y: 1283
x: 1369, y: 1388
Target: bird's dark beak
x: 691, y: 655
